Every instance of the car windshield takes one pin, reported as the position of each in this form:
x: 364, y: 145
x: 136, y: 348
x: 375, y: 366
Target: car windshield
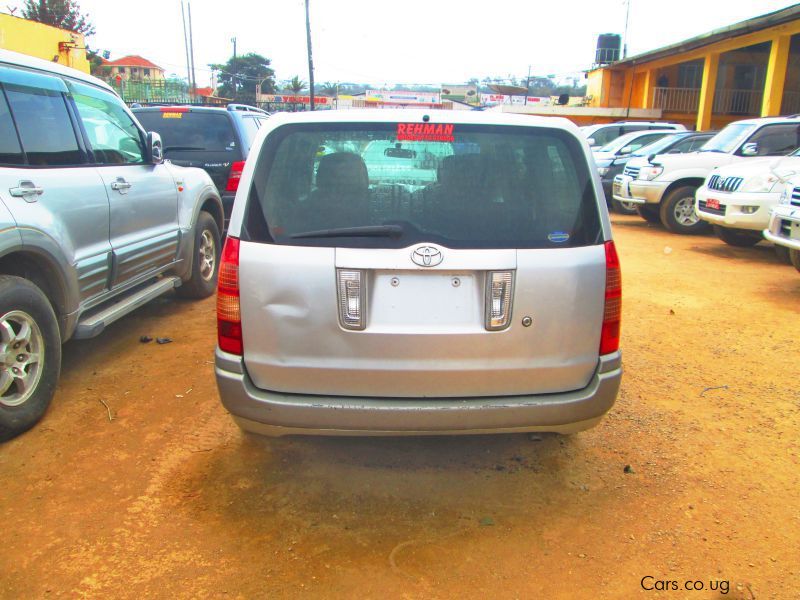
x: 620, y: 142
x: 190, y: 131
x: 463, y: 186
x: 728, y: 139
x: 659, y: 145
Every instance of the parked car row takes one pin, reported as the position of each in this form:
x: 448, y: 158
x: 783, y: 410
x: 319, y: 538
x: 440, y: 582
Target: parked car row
x: 741, y: 180
x: 94, y: 224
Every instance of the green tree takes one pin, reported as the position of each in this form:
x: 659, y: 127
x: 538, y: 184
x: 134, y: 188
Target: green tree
x: 64, y: 14
x: 296, y: 85
x: 248, y: 70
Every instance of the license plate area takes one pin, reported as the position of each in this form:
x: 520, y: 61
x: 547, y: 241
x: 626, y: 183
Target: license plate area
x: 712, y: 203
x: 426, y: 301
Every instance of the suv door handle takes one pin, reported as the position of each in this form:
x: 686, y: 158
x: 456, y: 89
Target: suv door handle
x: 27, y: 190
x: 121, y: 185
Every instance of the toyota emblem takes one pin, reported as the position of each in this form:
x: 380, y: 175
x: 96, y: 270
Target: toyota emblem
x: 426, y: 256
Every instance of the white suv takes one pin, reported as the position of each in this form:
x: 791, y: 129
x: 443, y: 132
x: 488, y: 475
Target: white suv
x: 737, y: 199
x: 784, y: 223
x: 665, y: 188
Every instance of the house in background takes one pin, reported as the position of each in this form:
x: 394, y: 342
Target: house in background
x: 43, y: 41
x: 749, y: 69
x: 133, y: 68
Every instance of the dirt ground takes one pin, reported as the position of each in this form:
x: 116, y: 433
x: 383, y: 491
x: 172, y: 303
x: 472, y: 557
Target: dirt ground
x: 160, y: 494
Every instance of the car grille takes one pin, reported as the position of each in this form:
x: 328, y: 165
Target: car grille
x: 631, y: 172
x: 795, y: 200
x: 724, y: 184
x: 713, y: 211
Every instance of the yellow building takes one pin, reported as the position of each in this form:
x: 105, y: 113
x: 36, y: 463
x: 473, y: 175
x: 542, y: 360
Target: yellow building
x: 43, y: 41
x: 749, y: 69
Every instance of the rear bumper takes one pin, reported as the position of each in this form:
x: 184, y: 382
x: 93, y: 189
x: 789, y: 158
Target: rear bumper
x: 274, y: 413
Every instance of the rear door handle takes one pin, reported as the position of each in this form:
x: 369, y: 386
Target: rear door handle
x: 121, y: 185
x: 27, y: 190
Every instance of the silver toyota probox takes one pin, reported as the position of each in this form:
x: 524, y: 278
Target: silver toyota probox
x: 391, y: 272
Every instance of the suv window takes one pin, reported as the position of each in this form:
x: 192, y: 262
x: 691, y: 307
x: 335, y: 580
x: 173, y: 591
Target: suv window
x: 475, y: 187
x: 776, y: 140
x: 44, y: 126
x: 188, y: 131
x: 10, y: 149
x: 630, y: 128
x: 251, y: 126
x: 114, y: 137
x: 605, y: 135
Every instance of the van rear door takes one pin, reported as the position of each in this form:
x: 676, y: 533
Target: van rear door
x: 462, y: 260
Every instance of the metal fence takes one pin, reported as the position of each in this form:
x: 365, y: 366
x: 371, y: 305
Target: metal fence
x: 791, y: 103
x: 682, y: 100
x: 726, y: 101
x: 152, y: 91
x: 738, y: 102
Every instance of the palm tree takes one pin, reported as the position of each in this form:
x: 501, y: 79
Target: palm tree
x: 296, y: 85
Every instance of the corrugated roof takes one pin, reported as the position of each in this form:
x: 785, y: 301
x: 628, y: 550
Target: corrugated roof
x: 777, y: 17
x: 133, y: 60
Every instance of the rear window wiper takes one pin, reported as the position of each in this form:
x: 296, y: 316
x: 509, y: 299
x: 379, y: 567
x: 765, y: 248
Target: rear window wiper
x: 168, y: 148
x: 365, y: 231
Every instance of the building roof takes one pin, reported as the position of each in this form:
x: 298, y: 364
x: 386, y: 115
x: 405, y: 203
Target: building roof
x: 204, y: 91
x: 772, y: 19
x: 133, y: 60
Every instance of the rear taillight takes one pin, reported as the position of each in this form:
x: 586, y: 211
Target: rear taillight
x: 229, y: 317
x: 609, y: 337
x: 235, y: 176
x: 352, y: 298
x: 499, y: 295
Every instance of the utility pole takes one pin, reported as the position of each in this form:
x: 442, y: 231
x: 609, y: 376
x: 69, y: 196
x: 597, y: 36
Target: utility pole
x: 191, y: 47
x: 233, y: 66
x: 186, y: 47
x: 310, y: 60
x: 625, y: 36
x: 527, y: 85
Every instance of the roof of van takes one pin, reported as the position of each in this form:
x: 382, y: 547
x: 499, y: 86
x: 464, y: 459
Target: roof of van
x: 415, y: 115
x: 8, y: 57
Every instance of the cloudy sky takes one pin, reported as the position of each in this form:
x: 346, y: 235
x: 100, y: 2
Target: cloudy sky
x: 405, y: 41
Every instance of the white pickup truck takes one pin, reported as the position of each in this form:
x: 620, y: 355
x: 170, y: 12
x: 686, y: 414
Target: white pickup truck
x: 664, y: 189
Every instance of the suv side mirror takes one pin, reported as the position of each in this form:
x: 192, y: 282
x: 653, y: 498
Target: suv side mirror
x: 591, y: 141
x: 626, y: 150
x: 750, y: 149
x: 155, y: 147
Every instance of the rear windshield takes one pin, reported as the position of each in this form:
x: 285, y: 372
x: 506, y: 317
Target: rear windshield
x: 190, y: 131
x: 462, y: 186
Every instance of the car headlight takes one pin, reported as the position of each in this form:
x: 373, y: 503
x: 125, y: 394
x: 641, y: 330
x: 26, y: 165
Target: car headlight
x: 650, y: 172
x: 603, y: 171
x: 759, y: 184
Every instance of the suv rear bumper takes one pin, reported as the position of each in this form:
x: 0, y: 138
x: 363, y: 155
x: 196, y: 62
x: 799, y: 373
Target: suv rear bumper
x: 275, y: 413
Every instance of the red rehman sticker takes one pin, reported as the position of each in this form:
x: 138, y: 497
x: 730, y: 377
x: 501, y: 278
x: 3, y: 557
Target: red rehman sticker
x: 425, y: 132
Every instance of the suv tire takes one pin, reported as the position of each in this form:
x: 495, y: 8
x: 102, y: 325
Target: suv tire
x: 624, y: 208
x: 205, y: 262
x: 649, y: 213
x: 31, y: 345
x: 782, y: 253
x: 740, y: 238
x: 794, y: 256
x: 677, y: 212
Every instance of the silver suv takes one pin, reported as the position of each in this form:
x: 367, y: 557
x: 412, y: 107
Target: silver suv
x: 461, y: 280
x: 92, y: 224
